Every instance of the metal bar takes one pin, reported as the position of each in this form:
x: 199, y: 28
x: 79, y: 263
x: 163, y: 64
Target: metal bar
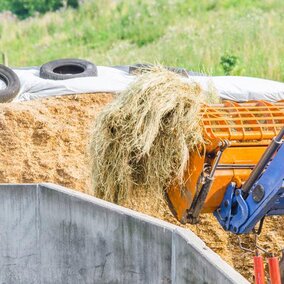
x: 234, y: 166
x: 242, y: 106
x: 239, y: 136
x: 5, y: 59
x: 274, y: 270
x: 243, y: 126
x: 258, y: 269
x: 282, y: 267
x: 242, y: 118
x: 200, y: 197
x: 257, y: 111
x: 266, y: 157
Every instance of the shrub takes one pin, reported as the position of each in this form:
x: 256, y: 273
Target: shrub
x: 228, y: 63
x: 26, y: 8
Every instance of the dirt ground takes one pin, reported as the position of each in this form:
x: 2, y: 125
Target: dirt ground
x: 47, y: 141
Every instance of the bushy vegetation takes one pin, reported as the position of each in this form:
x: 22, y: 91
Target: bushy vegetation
x: 236, y: 37
x: 26, y: 8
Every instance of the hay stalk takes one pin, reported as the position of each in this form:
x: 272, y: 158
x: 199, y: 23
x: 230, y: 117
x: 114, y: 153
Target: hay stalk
x: 142, y: 140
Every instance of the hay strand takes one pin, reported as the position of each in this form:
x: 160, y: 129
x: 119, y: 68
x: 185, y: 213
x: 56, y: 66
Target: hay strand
x: 143, y: 139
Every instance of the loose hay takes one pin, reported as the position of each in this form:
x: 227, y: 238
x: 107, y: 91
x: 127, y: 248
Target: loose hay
x: 143, y: 139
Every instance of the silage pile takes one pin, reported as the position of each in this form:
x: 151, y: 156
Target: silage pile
x: 47, y: 141
x: 143, y: 139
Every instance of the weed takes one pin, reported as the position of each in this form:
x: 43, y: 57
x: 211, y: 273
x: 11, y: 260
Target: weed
x: 228, y: 63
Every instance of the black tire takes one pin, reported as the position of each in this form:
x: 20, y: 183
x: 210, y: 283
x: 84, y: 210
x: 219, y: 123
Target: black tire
x: 63, y: 69
x: 12, y: 82
x: 141, y: 68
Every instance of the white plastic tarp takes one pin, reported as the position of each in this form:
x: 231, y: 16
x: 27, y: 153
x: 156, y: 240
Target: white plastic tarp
x: 34, y: 87
x: 113, y: 80
x: 2, y: 85
x: 241, y: 89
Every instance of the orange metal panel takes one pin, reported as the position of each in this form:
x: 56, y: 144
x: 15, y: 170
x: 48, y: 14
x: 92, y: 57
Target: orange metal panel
x: 222, y: 178
x: 249, y: 127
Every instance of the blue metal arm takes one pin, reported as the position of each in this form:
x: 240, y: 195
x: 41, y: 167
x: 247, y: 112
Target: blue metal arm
x: 240, y: 211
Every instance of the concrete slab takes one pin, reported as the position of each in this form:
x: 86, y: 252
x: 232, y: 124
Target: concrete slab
x: 50, y: 234
x: 19, y: 250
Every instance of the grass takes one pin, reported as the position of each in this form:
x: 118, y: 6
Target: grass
x: 192, y: 34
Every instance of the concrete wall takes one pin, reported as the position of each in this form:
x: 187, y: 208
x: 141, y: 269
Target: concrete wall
x: 49, y: 234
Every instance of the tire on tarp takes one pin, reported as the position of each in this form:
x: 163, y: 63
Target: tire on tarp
x: 68, y: 68
x: 12, y: 82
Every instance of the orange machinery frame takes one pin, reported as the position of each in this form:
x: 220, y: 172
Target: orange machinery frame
x: 249, y: 127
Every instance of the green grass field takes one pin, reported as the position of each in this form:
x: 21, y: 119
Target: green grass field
x: 246, y: 35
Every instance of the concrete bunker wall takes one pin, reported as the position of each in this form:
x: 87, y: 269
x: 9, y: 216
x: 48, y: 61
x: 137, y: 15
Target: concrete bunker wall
x: 50, y: 234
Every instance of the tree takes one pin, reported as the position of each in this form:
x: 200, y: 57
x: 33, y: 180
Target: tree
x: 26, y: 8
